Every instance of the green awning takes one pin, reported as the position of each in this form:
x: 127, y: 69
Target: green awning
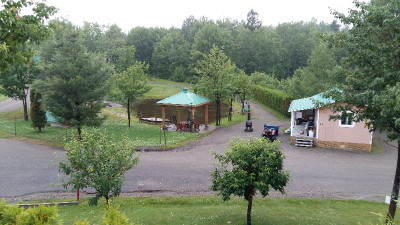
x: 313, y: 102
x: 185, y: 98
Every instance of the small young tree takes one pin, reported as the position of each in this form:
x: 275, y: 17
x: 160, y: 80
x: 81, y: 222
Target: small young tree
x: 38, y: 115
x: 99, y: 162
x: 216, y: 78
x: 132, y: 84
x: 257, y: 165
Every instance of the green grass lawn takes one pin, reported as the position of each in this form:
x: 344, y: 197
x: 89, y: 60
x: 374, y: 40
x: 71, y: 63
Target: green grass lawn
x: 164, y: 88
x: 139, y: 134
x: 212, y: 210
x: 3, y: 97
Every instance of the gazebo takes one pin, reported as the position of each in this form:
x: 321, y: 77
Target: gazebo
x: 187, y: 100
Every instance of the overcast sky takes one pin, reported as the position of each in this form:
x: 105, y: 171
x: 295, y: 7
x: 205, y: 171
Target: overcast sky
x: 167, y: 13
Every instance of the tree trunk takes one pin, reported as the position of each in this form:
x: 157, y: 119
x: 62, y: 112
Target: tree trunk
x: 249, y: 205
x: 79, y: 133
x: 216, y: 113
x: 129, y: 114
x: 230, y: 111
x: 395, y: 190
x: 24, y: 103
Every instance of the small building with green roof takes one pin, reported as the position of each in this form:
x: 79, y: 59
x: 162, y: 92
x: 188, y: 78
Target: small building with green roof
x: 310, y: 125
x: 187, y: 100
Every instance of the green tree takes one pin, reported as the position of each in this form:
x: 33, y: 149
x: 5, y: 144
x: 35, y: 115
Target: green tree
x: 74, y: 81
x: 216, y: 78
x: 111, y: 42
x: 257, y: 165
x: 372, y: 87
x: 16, y: 81
x: 317, y: 76
x: 266, y: 81
x: 126, y: 58
x: 38, y: 115
x: 99, y: 162
x: 252, y: 21
x: 170, y: 52
x: 132, y: 84
x: 208, y: 36
x: 242, y: 86
x: 144, y: 40
x: 16, y: 32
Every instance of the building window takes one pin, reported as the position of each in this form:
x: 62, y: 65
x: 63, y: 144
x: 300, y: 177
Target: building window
x: 346, y: 119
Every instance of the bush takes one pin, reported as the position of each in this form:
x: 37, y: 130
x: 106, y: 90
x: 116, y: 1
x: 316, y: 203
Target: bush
x: 111, y: 217
x: 41, y: 215
x: 9, y: 214
x: 272, y: 98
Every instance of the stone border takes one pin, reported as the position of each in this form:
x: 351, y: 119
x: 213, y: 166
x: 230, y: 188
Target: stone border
x: 47, y: 204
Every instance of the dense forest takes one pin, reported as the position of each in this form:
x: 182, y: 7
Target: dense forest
x: 291, y: 57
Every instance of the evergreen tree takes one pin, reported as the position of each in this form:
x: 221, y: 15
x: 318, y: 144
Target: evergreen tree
x: 74, y: 81
x: 38, y: 115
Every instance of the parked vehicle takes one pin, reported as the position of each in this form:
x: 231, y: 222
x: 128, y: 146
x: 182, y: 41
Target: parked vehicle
x: 270, y: 132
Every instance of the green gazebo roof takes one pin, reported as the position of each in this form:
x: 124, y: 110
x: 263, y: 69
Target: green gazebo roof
x: 309, y: 103
x: 184, y: 98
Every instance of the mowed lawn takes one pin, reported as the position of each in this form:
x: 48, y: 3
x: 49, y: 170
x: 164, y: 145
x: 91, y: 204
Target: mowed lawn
x: 209, y: 210
x: 139, y: 134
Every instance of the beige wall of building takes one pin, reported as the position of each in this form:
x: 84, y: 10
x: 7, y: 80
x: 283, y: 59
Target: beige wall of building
x: 331, y: 131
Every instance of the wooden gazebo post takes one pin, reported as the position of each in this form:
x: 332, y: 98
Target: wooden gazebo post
x: 163, y: 114
x: 179, y: 114
x: 206, y: 115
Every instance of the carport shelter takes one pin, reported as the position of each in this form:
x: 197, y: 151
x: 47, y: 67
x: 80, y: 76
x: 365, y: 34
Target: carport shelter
x: 187, y: 100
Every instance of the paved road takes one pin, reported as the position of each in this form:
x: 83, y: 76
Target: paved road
x: 322, y: 173
x: 11, y: 104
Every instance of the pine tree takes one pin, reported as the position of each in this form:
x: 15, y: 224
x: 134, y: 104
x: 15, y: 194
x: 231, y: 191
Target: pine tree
x: 74, y: 81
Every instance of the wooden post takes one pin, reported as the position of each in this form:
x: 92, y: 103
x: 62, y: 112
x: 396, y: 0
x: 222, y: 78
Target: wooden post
x: 163, y: 115
x: 206, y: 115
x: 179, y: 114
x: 284, y: 112
x: 193, y: 111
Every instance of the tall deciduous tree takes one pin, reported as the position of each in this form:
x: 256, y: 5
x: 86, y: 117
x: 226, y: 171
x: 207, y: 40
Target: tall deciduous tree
x: 257, y: 165
x: 252, y: 21
x: 372, y: 87
x: 216, y: 78
x: 18, y: 31
x: 132, y: 84
x: 74, y: 81
x: 16, y: 81
x: 170, y: 52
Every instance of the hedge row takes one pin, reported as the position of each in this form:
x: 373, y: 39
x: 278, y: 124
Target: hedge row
x: 272, y: 98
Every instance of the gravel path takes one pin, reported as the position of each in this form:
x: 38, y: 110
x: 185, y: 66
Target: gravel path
x: 25, y: 171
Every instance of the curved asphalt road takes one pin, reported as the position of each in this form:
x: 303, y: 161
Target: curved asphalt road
x: 25, y: 168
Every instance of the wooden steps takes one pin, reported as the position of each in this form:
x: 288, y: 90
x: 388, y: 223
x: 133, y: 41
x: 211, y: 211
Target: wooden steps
x: 304, y: 143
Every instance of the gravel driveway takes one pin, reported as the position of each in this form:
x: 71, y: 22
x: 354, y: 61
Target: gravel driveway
x: 25, y: 171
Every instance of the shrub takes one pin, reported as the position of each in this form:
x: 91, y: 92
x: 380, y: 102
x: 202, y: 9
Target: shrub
x: 272, y: 98
x: 9, y: 214
x: 41, y: 215
x: 113, y: 217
